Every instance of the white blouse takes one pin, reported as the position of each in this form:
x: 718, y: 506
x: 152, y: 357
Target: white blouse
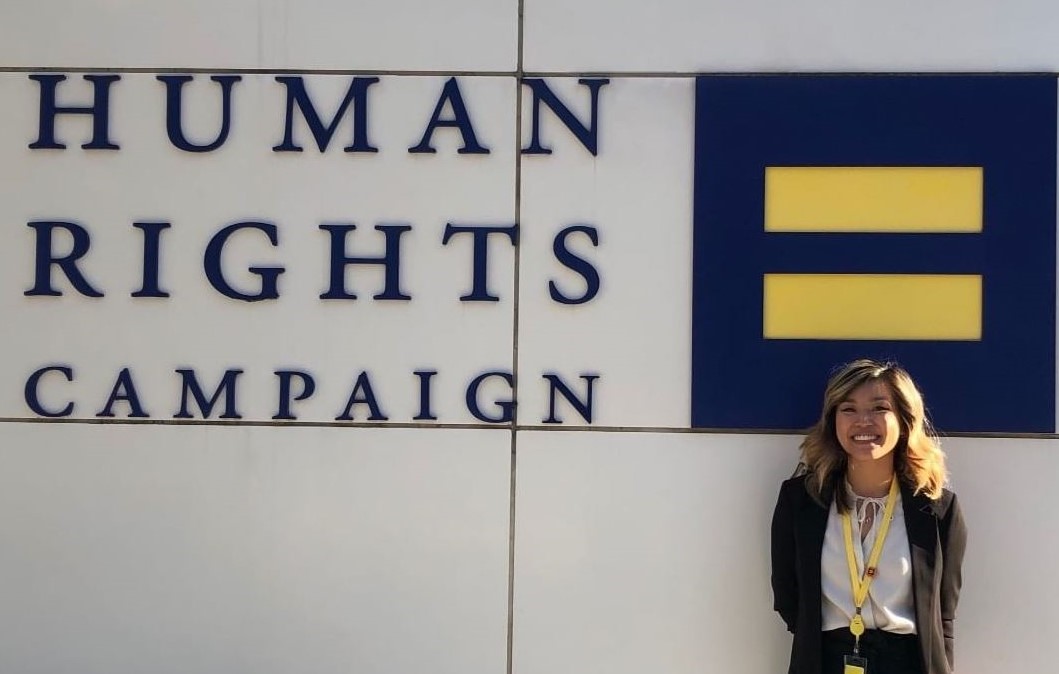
x: 889, y: 605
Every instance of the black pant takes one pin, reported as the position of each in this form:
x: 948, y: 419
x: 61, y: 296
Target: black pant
x: 887, y: 653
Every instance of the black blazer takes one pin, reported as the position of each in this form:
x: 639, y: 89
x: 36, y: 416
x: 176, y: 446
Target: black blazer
x: 936, y: 538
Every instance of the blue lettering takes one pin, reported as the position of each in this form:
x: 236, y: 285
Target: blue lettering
x: 459, y: 120
x: 507, y: 407
x: 124, y: 390
x: 363, y: 386
x: 424, y: 395
x: 576, y: 264
x: 33, y: 401
x: 298, y: 96
x: 214, y: 272
x: 190, y: 384
x: 479, y: 290
x: 174, y: 88
x: 45, y: 259
x: 583, y: 407
x: 390, y: 260
x: 49, y: 110
x: 152, y: 234
x: 542, y: 94
x: 308, y: 387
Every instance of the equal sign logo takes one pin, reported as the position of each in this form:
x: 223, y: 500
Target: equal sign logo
x: 890, y: 199
x: 904, y: 217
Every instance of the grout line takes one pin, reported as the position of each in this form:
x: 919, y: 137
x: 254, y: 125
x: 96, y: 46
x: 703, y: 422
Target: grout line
x: 553, y: 428
x: 519, y: 75
x: 511, y: 554
x: 518, y: 220
x: 648, y: 74
x: 262, y: 71
x: 246, y: 423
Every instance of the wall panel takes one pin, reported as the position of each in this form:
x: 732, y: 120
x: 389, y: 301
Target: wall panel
x: 823, y: 35
x: 628, y: 557
x: 221, y: 550
x: 636, y: 195
x: 310, y: 34
x: 245, y: 180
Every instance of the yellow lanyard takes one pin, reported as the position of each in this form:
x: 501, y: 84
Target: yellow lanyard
x: 860, y: 585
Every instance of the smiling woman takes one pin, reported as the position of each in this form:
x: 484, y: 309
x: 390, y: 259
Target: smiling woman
x: 886, y: 594
x: 867, y: 428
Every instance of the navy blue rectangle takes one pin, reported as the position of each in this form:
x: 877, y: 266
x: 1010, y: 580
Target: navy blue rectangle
x: 1004, y: 123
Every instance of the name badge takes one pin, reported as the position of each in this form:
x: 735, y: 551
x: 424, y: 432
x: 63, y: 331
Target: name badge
x: 855, y: 665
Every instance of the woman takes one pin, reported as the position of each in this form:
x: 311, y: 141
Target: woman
x: 870, y: 524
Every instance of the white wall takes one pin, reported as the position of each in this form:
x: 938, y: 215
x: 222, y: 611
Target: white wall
x: 406, y: 546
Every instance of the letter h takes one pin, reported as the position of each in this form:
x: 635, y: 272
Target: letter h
x: 49, y: 110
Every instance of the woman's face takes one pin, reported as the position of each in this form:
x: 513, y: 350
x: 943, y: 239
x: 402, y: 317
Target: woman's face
x: 866, y: 422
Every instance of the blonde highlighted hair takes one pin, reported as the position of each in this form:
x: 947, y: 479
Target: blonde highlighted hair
x: 918, y: 460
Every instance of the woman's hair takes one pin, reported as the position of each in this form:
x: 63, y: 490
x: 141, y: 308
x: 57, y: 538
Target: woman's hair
x: 918, y: 459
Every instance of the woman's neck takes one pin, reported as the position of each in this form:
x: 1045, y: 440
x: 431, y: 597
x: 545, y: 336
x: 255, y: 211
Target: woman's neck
x: 871, y: 478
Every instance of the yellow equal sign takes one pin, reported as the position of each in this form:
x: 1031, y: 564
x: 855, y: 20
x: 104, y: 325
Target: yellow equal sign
x: 873, y: 306
x: 882, y: 199
x: 873, y: 199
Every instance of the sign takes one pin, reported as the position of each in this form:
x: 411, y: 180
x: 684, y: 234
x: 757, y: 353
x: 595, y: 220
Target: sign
x: 905, y: 217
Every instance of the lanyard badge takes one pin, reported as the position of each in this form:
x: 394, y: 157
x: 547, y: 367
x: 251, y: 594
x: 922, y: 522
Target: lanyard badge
x: 854, y: 664
x: 859, y: 584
